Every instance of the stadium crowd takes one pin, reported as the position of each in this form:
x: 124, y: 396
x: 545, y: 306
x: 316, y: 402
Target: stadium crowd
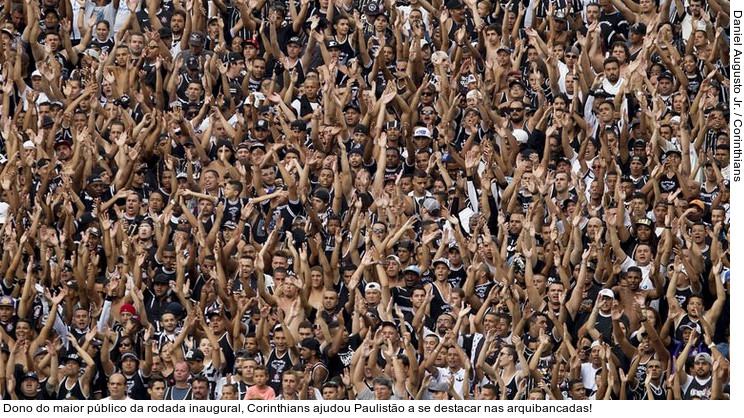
x: 343, y: 199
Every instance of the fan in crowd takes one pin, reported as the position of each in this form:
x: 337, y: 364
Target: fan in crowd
x: 364, y: 199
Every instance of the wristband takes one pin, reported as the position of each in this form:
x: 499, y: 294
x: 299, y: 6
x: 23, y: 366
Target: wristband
x: 711, y: 345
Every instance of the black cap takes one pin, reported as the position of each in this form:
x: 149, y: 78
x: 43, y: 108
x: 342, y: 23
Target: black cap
x: 356, y: 150
x: 666, y: 74
x: 332, y: 44
x: 192, y: 63
x: 351, y: 105
x: 639, y: 28
x: 517, y: 82
x: 373, y: 9
x: 262, y: 124
x: 160, y: 278
x: 454, y: 4
x: 294, y: 40
x: 310, y: 344
x: 194, y: 355
x: 393, y: 124
x: 30, y: 375
x: 196, y: 38
x: 323, y: 194
x: 165, y: 32
x: 361, y: 128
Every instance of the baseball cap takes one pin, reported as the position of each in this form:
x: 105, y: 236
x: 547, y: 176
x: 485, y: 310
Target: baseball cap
x: 394, y: 258
x: 666, y: 74
x: 192, y: 63
x: 129, y: 308
x: 438, y: 386
x: 310, y: 344
x: 422, y: 131
x: 30, y: 375
x: 294, y: 40
x: 262, y: 124
x: 503, y: 48
x: 639, y: 28
x: 432, y: 205
x: 194, y: 355
x: 356, y: 150
x: 393, y: 124
x: 73, y: 357
x: 607, y: 292
x: 251, y: 42
x: 689, y: 325
x: 332, y: 44
x: 129, y: 355
x: 6, y: 301
x: 442, y: 260
x: 373, y: 9
x: 351, y: 105
x: 196, y: 38
x: 644, y: 221
x: 412, y: 269
x: 361, y: 128
x: 699, y: 203
x: 373, y: 286
x: 521, y: 136
x: 454, y: 4
x: 160, y: 278
x: 704, y: 357
x: 92, y: 53
x: 323, y: 194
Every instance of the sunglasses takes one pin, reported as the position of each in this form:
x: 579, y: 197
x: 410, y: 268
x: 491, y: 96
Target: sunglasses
x: 571, y: 56
x: 427, y: 93
x: 427, y: 112
x: 378, y: 231
x: 516, y: 109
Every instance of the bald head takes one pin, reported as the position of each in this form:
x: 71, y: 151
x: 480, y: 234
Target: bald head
x: 117, y: 386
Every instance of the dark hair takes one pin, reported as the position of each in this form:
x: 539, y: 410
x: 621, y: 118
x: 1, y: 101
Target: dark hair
x: 157, y: 378
x: 237, y: 184
x: 610, y: 60
x: 178, y: 12
x: 624, y: 47
x: 200, y: 378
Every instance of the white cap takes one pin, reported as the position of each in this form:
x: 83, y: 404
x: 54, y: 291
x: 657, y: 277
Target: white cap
x: 36, y: 73
x: 29, y: 145
x: 4, y: 212
x: 607, y: 292
x: 422, y: 131
x: 521, y: 136
x: 373, y: 286
x: 473, y: 95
